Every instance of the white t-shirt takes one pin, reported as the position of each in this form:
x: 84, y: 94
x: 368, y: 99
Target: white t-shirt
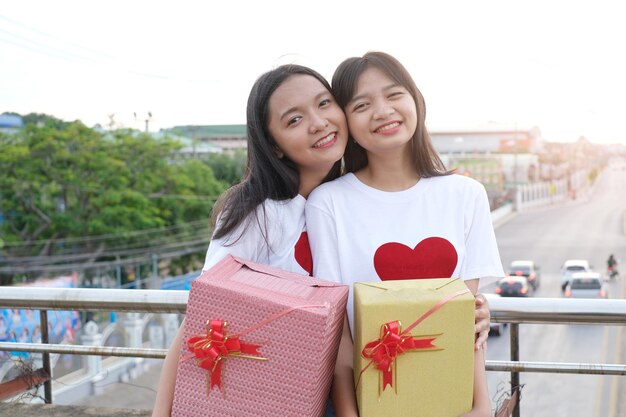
x: 282, y: 223
x: 440, y: 227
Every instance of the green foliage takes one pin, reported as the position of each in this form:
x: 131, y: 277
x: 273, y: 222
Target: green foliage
x: 64, y: 180
x: 41, y: 119
x: 228, y: 168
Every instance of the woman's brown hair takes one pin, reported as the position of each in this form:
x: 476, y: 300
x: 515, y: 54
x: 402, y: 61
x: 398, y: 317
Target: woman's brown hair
x: 344, y: 84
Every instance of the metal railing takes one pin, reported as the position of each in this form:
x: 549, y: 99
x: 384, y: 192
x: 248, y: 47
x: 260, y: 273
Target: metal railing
x: 503, y: 310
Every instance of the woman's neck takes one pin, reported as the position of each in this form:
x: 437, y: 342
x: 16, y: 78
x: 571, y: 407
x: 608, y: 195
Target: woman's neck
x: 308, y: 182
x: 389, y: 172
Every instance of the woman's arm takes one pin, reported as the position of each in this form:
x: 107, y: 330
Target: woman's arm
x: 165, y: 391
x: 342, y: 392
x: 481, y: 405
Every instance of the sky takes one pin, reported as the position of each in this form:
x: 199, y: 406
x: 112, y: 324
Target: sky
x: 557, y: 65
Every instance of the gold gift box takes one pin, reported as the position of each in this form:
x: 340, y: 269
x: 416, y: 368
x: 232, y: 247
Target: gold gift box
x: 429, y: 382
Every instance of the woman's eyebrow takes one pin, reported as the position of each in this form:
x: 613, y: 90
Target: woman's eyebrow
x: 290, y: 110
x: 363, y: 95
x: 295, y: 108
x: 357, y: 97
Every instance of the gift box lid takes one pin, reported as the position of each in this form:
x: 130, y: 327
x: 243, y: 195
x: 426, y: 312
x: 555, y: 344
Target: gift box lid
x: 266, y: 282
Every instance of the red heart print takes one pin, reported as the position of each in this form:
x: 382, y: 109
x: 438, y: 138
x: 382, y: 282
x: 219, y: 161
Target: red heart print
x: 433, y: 257
x: 303, y: 253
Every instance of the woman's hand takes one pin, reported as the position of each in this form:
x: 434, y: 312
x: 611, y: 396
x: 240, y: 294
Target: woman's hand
x: 483, y: 321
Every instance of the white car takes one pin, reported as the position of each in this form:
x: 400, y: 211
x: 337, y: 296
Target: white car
x: 571, y: 266
x: 586, y: 285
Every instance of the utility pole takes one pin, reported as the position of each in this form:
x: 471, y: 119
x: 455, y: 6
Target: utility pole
x: 146, y: 120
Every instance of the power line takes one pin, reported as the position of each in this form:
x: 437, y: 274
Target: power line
x: 110, y: 236
x: 48, y: 35
x: 203, y: 238
x: 47, y: 49
x: 100, y: 59
x: 186, y: 250
x: 32, y: 49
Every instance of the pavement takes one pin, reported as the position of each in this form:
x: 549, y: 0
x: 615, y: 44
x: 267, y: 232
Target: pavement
x: 140, y: 393
x: 52, y: 410
x: 136, y: 394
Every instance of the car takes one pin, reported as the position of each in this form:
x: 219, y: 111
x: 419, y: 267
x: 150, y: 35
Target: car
x: 571, y: 266
x: 495, y: 329
x: 528, y: 269
x: 586, y: 285
x: 513, y: 286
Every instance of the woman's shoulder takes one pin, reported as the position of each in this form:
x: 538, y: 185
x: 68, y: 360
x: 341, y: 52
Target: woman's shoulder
x: 268, y: 212
x: 279, y: 207
x: 332, y: 188
x: 266, y: 225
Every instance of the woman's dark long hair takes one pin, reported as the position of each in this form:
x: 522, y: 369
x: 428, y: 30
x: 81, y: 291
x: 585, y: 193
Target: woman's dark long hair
x: 266, y: 175
x: 345, y: 82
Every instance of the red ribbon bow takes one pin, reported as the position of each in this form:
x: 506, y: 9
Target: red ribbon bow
x: 215, y: 346
x: 392, y: 343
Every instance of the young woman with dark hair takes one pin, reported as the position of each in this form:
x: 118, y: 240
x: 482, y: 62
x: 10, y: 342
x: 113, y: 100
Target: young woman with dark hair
x: 296, y: 138
x: 397, y: 213
x: 270, y: 173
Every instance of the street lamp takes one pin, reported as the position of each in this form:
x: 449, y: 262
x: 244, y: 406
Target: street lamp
x: 147, y: 119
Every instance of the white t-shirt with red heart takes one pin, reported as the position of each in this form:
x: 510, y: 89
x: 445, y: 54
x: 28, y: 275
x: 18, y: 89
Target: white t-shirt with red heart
x: 283, y: 224
x: 440, y: 227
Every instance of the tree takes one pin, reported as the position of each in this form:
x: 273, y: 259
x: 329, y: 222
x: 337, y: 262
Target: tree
x: 228, y: 168
x: 63, y: 181
x: 41, y: 119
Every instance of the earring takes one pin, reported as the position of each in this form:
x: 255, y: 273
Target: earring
x: 278, y: 152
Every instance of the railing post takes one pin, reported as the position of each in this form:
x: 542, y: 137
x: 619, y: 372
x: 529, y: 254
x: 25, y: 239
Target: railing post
x: 118, y: 273
x: 45, y: 339
x: 515, y: 357
x: 170, y: 327
x: 518, y: 200
x: 132, y: 324
x: 155, y: 272
x: 93, y: 363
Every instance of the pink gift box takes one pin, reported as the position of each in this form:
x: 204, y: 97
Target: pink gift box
x: 295, y: 320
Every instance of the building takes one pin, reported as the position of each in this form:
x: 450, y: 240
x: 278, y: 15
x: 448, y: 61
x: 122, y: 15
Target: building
x: 485, y: 168
x: 488, y: 141
x: 481, y: 153
x: 228, y: 138
x: 191, y: 148
x: 10, y: 123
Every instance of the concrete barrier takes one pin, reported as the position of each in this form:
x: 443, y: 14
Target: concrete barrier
x: 501, y: 212
x: 12, y: 409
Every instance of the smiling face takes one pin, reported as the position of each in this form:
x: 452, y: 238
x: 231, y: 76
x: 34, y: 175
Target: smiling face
x: 382, y: 115
x: 307, y: 124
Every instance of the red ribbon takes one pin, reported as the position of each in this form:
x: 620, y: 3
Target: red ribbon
x: 215, y: 346
x: 384, y: 351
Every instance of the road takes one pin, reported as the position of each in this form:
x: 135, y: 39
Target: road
x: 589, y: 229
